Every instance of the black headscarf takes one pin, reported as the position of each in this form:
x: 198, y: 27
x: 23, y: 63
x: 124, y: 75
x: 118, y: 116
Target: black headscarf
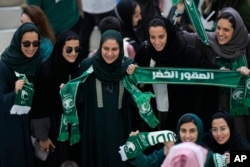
x: 60, y: 67
x: 240, y: 40
x: 174, y: 45
x: 235, y: 142
x: 124, y: 11
x: 53, y: 72
x: 14, y: 57
x: 116, y: 70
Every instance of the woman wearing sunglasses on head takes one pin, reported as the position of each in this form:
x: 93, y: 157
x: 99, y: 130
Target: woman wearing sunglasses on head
x: 46, y: 110
x: 21, y: 56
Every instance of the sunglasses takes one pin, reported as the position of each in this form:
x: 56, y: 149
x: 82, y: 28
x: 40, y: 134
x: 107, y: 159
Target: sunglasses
x: 27, y: 44
x: 70, y: 49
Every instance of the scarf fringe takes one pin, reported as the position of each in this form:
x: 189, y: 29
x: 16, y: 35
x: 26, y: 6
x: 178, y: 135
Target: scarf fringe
x: 63, y: 136
x: 75, y: 138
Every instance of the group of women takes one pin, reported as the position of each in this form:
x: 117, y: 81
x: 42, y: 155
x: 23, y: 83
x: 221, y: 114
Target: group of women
x: 222, y: 139
x: 104, y: 107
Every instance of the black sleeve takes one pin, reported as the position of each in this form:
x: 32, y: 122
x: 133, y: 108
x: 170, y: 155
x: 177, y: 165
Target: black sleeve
x: 142, y: 56
x: 196, y: 60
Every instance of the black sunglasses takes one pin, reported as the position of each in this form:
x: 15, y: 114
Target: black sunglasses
x: 27, y: 44
x: 70, y: 49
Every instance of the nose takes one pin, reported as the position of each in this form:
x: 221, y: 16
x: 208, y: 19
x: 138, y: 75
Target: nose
x: 220, y: 32
x: 157, y: 40
x: 110, y: 52
x: 187, y: 135
x: 73, y: 51
x: 140, y: 17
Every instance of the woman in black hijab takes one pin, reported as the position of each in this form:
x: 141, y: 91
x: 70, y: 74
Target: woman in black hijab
x: 104, y: 104
x: 59, y: 68
x: 21, y: 56
x: 129, y: 14
x: 165, y: 49
x: 223, y: 137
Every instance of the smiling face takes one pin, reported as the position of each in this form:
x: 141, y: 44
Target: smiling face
x: 188, y: 132
x: 29, y: 51
x: 110, y: 50
x: 158, y: 37
x: 71, y: 50
x: 224, y: 31
x: 220, y: 130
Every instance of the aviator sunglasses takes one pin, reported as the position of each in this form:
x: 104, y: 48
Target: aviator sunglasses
x: 27, y: 44
x: 70, y: 49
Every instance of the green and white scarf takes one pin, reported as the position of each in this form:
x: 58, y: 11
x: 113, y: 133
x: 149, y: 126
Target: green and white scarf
x: 135, y: 145
x: 69, y: 116
x: 196, y: 20
x: 240, y: 95
x: 142, y: 99
x: 24, y: 97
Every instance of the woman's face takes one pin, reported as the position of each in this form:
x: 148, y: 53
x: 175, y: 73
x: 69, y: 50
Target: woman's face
x: 188, y: 132
x: 224, y: 31
x: 25, y: 19
x: 29, y: 44
x: 158, y: 37
x: 71, y: 50
x: 220, y: 130
x: 136, y: 16
x: 110, y: 50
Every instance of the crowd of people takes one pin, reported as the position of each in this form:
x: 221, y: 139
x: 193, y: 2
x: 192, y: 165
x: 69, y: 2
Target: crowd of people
x: 62, y: 105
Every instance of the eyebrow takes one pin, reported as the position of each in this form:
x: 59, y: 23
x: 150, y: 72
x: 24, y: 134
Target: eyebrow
x: 223, y: 126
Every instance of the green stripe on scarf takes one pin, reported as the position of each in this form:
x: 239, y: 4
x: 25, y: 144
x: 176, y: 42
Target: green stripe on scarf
x: 175, y: 2
x: 195, y: 19
x: 192, y: 76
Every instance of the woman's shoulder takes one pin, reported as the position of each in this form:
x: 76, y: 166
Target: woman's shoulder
x: 3, y: 66
x: 85, y: 64
x: 242, y: 143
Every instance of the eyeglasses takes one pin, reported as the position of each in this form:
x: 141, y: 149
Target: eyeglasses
x: 27, y: 44
x: 70, y: 49
x: 221, y: 129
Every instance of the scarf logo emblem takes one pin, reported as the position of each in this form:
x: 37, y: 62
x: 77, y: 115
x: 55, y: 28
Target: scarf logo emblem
x: 130, y: 147
x: 238, y: 94
x: 24, y: 95
x: 248, y: 83
x: 145, y: 108
x: 68, y: 103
